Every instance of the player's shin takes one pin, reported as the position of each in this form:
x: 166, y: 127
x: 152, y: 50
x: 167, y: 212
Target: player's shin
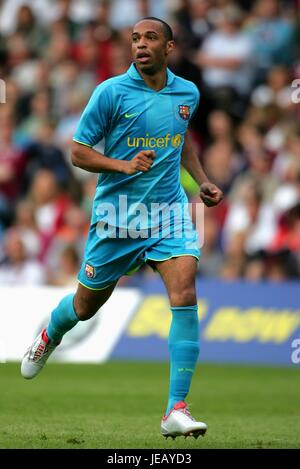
x: 63, y: 318
x: 184, y: 350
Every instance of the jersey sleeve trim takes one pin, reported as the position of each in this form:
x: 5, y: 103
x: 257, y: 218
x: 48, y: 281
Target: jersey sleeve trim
x: 82, y: 143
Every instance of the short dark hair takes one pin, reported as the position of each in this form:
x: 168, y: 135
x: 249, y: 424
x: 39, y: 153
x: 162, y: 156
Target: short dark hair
x: 167, y: 29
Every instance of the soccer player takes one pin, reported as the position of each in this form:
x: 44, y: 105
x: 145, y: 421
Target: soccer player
x: 143, y: 116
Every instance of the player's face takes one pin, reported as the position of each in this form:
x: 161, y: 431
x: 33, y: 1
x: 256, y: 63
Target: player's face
x: 150, y: 47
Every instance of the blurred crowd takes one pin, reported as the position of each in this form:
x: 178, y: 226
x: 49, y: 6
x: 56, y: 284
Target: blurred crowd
x: 244, y: 56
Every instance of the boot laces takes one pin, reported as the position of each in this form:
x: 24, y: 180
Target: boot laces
x: 187, y: 412
x: 40, y: 351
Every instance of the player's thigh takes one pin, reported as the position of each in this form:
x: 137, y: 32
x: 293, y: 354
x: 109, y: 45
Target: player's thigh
x: 178, y: 275
x: 87, y: 302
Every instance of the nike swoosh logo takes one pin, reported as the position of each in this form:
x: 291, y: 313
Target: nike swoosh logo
x: 131, y: 115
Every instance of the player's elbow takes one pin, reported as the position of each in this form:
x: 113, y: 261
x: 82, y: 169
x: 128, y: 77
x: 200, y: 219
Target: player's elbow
x: 74, y: 160
x: 75, y: 154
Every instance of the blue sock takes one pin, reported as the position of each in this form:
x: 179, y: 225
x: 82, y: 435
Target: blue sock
x: 63, y: 318
x: 184, y: 350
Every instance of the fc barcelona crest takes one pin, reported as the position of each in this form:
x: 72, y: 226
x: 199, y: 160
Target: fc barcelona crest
x: 184, y: 111
x: 89, y: 271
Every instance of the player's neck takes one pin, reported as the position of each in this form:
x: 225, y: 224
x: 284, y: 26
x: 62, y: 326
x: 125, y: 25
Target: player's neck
x: 157, y: 81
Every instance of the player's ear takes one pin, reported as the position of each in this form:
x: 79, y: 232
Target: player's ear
x: 170, y: 46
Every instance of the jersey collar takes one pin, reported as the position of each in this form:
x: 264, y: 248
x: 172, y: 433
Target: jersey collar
x: 134, y: 74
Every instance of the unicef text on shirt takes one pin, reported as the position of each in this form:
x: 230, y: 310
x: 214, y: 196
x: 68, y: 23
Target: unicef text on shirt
x: 155, y: 142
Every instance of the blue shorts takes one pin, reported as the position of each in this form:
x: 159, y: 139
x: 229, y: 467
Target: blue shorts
x: 107, y: 259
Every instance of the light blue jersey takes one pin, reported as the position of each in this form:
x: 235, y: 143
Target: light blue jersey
x: 131, y: 117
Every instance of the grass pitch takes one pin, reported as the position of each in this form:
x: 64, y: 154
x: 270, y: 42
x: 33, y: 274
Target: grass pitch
x: 120, y: 404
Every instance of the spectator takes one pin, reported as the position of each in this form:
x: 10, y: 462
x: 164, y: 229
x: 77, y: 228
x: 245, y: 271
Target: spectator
x: 42, y: 9
x: 60, y: 44
x: 257, y: 174
x: 103, y: 28
x: 64, y: 16
x: 26, y: 226
x: 281, y: 266
x: 21, y: 61
x: 226, y: 60
x: 211, y: 256
x: 182, y: 65
x: 252, y: 217
x: 288, y: 233
x: 276, y: 91
x: 43, y: 153
x: 272, y: 36
x: 125, y: 14
x: 66, y: 273
x: 27, y: 25
x: 89, y: 57
x: 18, y: 268
x: 222, y: 164
x: 234, y: 257
x: 12, y: 162
x: 255, y: 268
x: 72, y: 232
x: 193, y: 23
x: 40, y: 111
x: 289, y: 156
x: 66, y: 79
x: 220, y: 126
x: 49, y: 203
x: 68, y: 123
x: 88, y: 192
x: 118, y: 59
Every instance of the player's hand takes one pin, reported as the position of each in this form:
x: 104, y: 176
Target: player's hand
x: 210, y: 194
x: 140, y: 162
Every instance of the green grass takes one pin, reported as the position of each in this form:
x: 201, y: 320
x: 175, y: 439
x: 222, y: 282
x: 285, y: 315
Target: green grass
x: 119, y: 405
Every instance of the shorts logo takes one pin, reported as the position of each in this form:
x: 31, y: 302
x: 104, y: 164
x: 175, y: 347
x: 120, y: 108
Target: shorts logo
x: 184, y: 111
x: 89, y: 271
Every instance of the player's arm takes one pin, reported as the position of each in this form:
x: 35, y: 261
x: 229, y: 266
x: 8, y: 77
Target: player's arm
x: 93, y: 126
x: 209, y: 192
x: 87, y: 158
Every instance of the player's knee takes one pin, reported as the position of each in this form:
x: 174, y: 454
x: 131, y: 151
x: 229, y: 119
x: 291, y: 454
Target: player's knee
x: 85, y: 309
x: 183, y: 297
x: 85, y: 313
